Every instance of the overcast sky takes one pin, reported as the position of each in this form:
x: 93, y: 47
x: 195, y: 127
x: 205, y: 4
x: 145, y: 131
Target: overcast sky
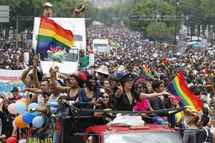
x: 107, y: 3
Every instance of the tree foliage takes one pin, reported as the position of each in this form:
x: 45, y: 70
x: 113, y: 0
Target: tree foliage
x: 208, y: 8
x: 146, y: 14
x: 159, y: 31
x: 199, y: 12
x: 153, y: 7
x: 62, y: 8
x: 23, y: 11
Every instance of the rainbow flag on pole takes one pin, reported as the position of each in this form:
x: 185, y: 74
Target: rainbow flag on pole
x: 178, y: 87
x: 52, y: 35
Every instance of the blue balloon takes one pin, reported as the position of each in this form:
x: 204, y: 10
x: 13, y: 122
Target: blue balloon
x: 20, y: 107
x: 53, y: 106
x: 53, y: 110
x: 33, y: 106
x: 28, y: 117
x: 38, y: 122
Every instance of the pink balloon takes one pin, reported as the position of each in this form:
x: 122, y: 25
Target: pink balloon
x: 12, y: 108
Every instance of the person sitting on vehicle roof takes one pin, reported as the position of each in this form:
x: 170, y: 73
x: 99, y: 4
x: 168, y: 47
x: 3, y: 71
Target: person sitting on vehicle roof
x: 48, y: 9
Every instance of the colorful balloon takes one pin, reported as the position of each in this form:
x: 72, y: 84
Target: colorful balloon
x: 53, y: 110
x: 12, y: 108
x: 24, y: 100
x: 20, y: 107
x: 33, y: 106
x: 11, y: 140
x: 38, y: 122
x: 28, y: 117
x: 53, y: 106
x: 19, y: 122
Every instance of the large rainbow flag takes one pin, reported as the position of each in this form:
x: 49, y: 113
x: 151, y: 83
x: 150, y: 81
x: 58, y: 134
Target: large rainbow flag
x: 178, y: 87
x: 52, y: 35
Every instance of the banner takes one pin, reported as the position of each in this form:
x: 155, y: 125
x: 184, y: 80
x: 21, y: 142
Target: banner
x: 10, y: 79
x: 10, y: 75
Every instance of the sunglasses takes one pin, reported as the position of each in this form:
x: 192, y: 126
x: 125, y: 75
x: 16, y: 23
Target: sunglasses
x: 105, y: 96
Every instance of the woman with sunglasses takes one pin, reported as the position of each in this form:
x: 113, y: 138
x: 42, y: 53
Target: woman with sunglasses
x: 104, y: 103
x: 125, y: 96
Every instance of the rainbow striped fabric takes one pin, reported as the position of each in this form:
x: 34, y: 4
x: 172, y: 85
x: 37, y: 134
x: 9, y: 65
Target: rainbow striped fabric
x: 178, y: 87
x: 52, y: 35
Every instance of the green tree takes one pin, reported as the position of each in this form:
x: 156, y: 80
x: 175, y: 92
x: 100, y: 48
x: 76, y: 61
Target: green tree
x: 192, y: 9
x: 32, y: 8
x: 208, y: 8
x: 145, y: 13
x: 153, y: 8
x: 160, y: 32
x: 23, y: 7
x: 62, y: 8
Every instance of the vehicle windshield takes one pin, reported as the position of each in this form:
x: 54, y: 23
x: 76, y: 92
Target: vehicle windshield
x: 146, y: 137
x: 101, y: 47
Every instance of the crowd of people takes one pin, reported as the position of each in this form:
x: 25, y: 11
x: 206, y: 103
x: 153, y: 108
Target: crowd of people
x: 132, y: 77
x: 13, y: 48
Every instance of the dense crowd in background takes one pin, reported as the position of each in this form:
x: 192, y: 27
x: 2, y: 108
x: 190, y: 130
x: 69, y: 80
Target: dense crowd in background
x: 13, y: 48
x: 132, y: 77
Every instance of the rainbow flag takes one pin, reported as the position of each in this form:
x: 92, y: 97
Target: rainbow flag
x: 52, y: 35
x: 178, y: 87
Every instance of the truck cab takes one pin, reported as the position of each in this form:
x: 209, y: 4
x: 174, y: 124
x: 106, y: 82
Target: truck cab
x: 149, y: 133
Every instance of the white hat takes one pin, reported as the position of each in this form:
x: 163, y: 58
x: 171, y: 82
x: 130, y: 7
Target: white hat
x: 121, y: 68
x: 47, y: 4
x: 103, y: 70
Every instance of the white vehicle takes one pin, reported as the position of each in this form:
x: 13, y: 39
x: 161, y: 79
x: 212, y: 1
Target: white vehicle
x: 195, y: 42
x: 101, y: 46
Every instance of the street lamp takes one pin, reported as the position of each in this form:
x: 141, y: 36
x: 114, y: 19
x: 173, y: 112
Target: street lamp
x: 176, y: 20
